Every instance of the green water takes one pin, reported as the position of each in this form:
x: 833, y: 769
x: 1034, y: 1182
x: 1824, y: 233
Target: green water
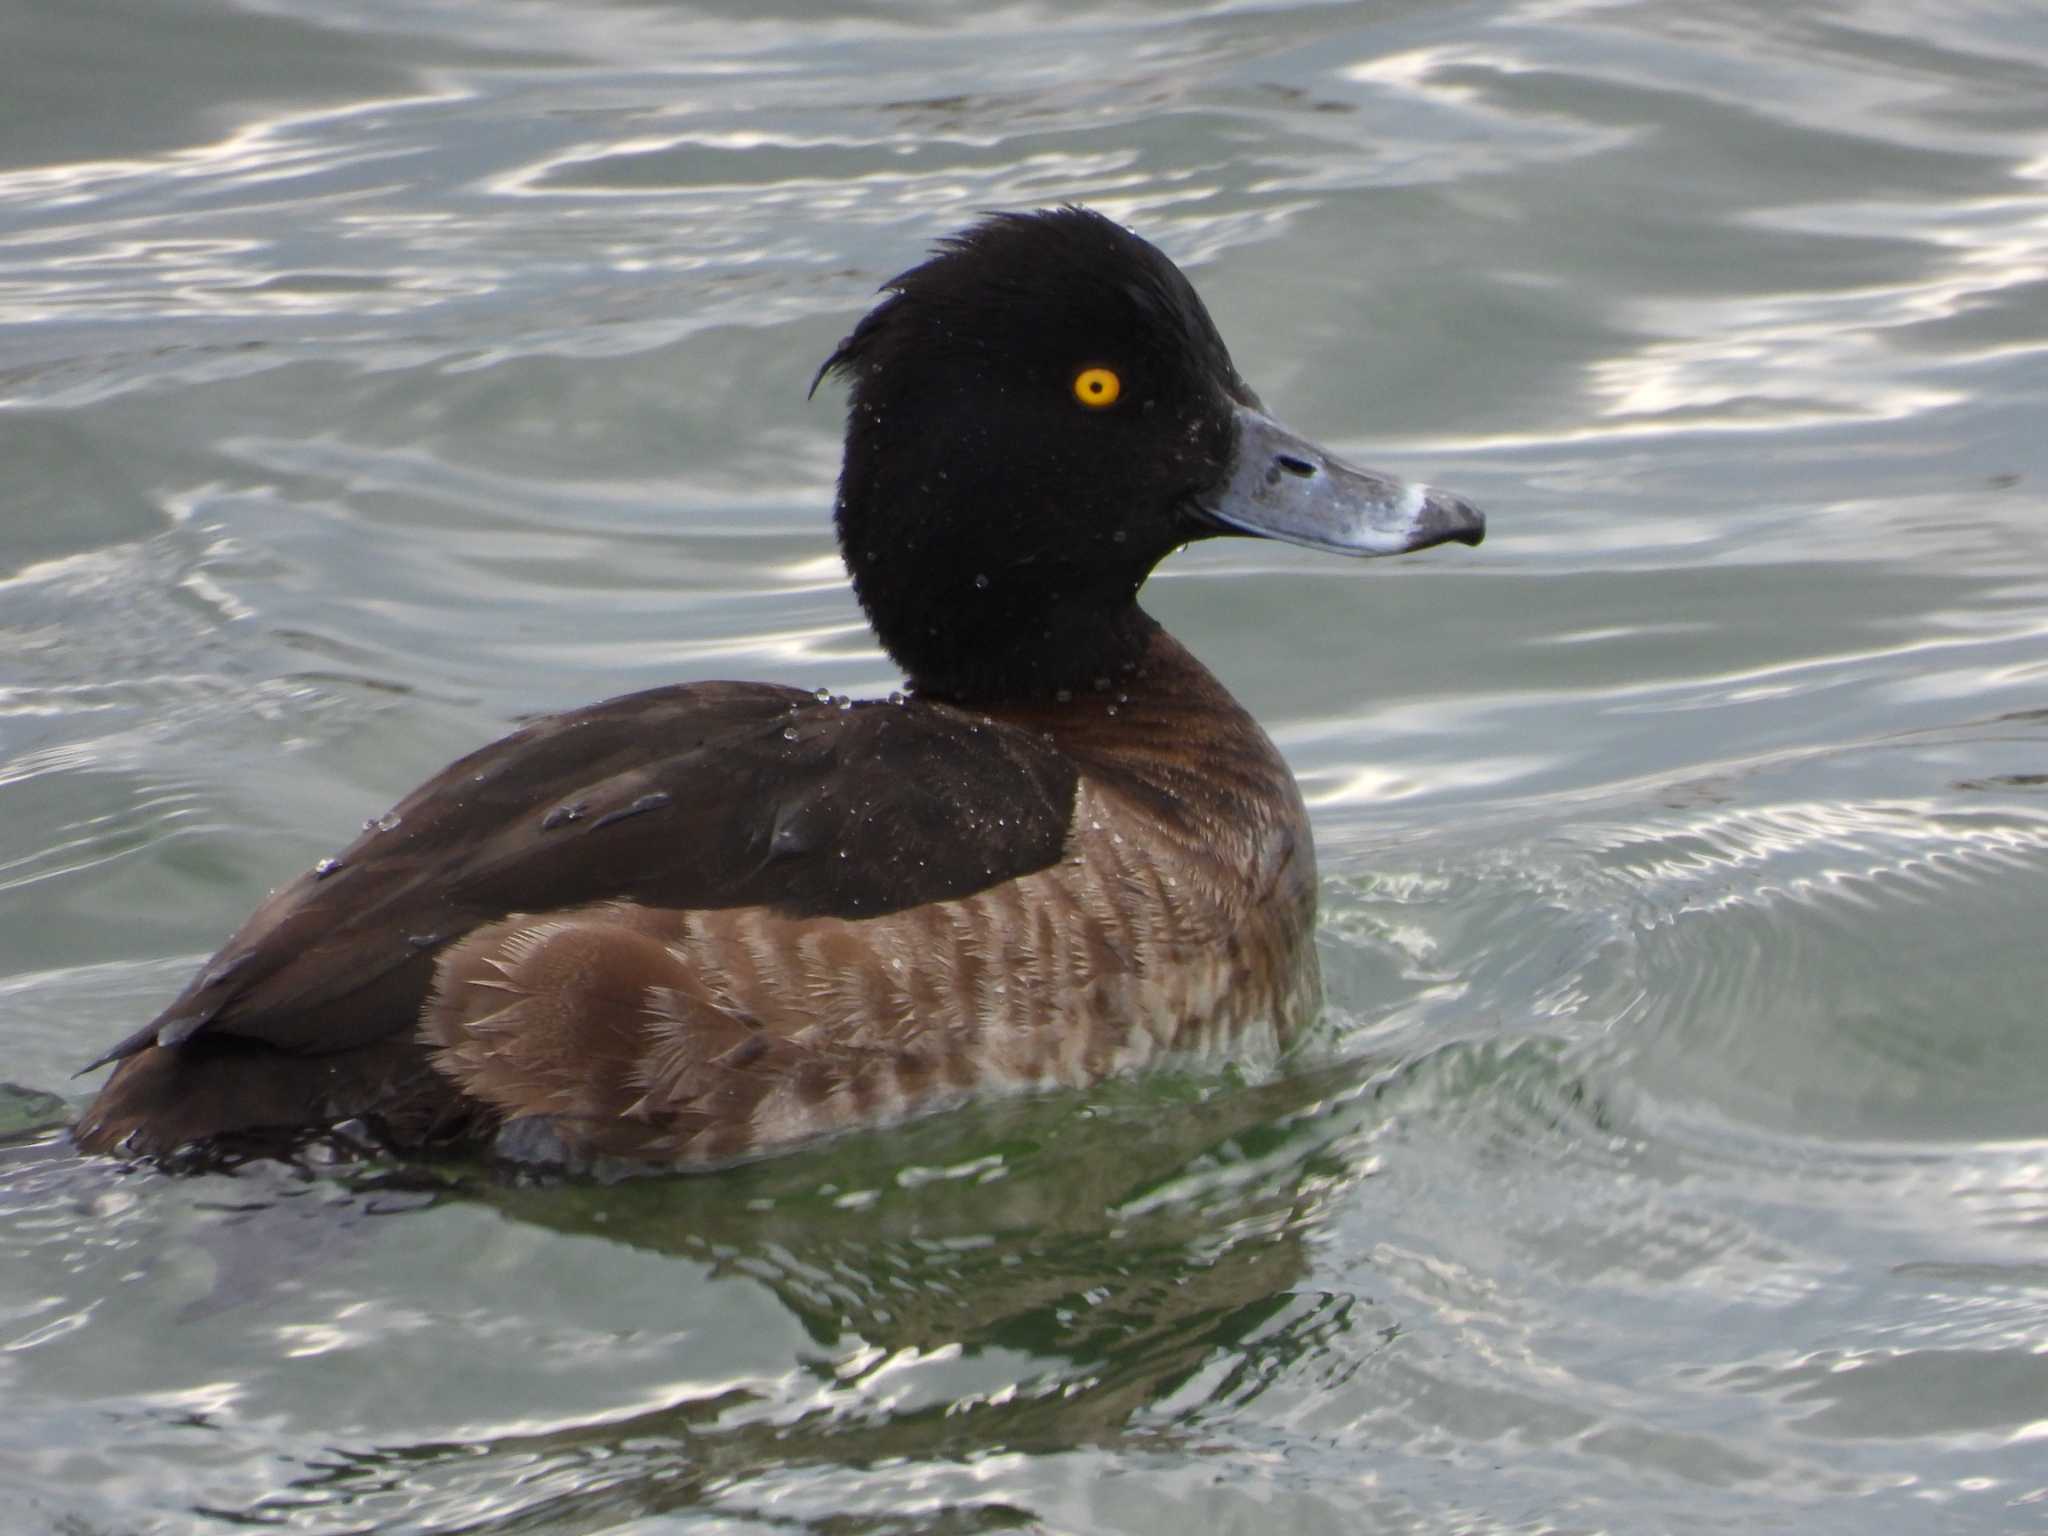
x: 1674, y: 1156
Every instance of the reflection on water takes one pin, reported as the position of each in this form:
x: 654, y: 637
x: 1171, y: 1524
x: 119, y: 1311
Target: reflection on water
x: 1041, y: 1283
x: 1672, y: 1156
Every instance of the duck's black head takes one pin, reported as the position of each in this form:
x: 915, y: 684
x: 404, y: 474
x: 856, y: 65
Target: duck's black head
x: 1041, y: 413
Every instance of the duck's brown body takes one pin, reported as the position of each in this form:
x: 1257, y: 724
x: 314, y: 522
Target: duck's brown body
x: 720, y: 1001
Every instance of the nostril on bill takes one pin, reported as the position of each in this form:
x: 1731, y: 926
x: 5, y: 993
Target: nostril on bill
x: 1294, y: 466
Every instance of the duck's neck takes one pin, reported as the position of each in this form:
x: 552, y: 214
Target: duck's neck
x: 1166, y: 733
x: 993, y: 651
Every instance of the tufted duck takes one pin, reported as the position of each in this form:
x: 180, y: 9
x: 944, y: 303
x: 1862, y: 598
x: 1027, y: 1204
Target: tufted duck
x: 708, y: 922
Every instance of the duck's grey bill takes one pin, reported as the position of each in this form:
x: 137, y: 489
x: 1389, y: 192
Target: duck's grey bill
x: 1283, y: 486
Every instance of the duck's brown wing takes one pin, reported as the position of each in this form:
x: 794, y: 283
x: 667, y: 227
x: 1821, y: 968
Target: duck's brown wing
x: 697, y: 797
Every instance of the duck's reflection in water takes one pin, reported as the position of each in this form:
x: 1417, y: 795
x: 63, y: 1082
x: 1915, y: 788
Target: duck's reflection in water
x: 1025, y: 1278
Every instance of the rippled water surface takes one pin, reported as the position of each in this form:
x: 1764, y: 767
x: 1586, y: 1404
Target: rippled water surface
x: 1674, y: 1155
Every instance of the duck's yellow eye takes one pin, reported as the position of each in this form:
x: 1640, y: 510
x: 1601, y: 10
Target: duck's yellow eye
x: 1097, y: 387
